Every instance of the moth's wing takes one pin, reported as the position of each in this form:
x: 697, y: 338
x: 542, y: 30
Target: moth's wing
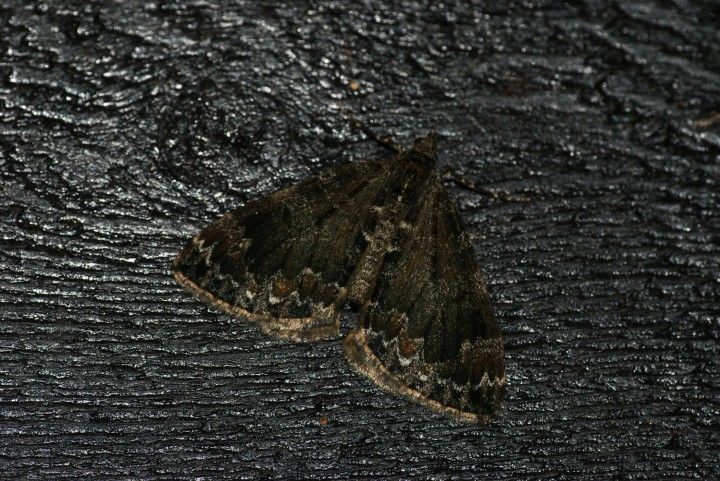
x: 429, y: 332
x: 283, y: 260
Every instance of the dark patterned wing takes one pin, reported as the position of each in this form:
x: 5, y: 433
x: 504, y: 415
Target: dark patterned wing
x: 428, y: 332
x: 283, y: 260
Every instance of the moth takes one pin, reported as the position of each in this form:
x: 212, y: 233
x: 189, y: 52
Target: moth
x: 384, y: 237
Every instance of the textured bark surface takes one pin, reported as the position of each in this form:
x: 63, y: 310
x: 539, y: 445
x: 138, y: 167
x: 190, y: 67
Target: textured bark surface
x: 125, y: 127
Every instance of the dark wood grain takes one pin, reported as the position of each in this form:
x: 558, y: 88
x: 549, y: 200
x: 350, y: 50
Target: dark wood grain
x: 124, y: 128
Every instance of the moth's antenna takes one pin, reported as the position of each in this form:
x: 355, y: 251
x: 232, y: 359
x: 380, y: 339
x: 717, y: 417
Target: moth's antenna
x: 482, y: 190
x: 386, y: 142
x: 399, y: 150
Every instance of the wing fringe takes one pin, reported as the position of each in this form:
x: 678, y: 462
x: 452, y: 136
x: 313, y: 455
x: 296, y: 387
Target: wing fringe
x: 299, y: 329
x: 364, y: 361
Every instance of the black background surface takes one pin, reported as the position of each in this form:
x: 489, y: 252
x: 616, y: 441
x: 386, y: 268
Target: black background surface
x: 125, y: 127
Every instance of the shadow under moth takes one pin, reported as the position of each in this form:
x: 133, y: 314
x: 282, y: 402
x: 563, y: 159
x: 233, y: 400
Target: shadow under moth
x: 384, y: 237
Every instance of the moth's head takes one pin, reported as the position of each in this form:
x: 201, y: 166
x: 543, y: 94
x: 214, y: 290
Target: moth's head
x: 424, y: 151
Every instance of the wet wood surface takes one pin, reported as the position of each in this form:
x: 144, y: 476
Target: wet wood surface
x: 126, y: 127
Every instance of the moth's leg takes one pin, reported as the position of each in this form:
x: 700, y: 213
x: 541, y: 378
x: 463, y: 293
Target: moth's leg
x: 462, y: 182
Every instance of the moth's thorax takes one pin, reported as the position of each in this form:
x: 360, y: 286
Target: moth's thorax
x: 405, y: 189
x: 423, y: 154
